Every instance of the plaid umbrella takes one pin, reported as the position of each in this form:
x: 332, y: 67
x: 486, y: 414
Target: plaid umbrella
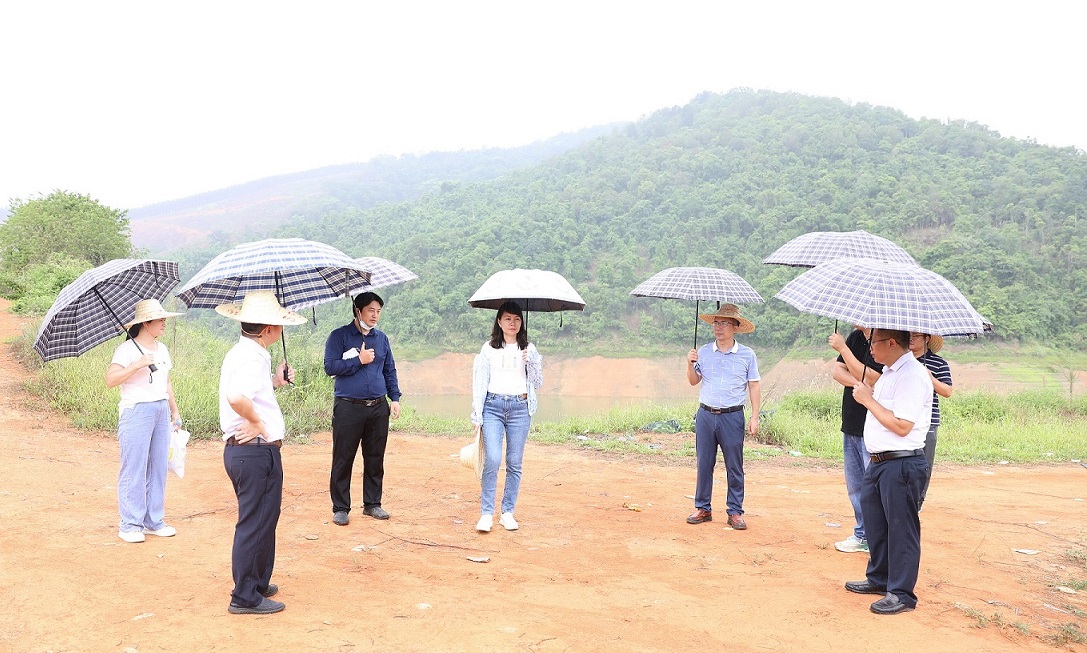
x: 698, y: 284
x: 881, y: 295
x: 535, y: 290
x: 96, y: 306
x: 384, y: 273
x: 302, y: 273
x: 811, y: 249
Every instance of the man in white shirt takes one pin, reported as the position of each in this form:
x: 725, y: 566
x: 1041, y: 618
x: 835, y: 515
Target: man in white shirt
x: 899, y: 412
x: 253, y: 430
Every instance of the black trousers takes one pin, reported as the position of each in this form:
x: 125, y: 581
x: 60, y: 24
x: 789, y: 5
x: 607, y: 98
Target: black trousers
x: 890, y: 498
x: 355, y: 426
x: 257, y: 475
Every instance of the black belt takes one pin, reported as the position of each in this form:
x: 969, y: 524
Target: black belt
x: 254, y: 442
x: 364, y: 402
x: 721, y: 411
x: 891, y: 455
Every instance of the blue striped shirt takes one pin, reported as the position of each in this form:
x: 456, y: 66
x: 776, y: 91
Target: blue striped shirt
x: 942, y: 371
x: 725, y: 374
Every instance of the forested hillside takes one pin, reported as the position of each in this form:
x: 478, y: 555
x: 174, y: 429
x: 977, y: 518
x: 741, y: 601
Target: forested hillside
x: 723, y: 181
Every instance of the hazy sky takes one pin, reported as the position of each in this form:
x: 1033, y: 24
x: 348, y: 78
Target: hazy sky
x: 141, y: 102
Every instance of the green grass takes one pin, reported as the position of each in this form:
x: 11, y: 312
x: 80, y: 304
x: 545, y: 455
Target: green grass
x: 1027, y: 427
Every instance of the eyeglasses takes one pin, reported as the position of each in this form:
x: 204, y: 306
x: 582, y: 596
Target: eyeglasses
x: 916, y: 336
x: 881, y: 340
x: 723, y: 323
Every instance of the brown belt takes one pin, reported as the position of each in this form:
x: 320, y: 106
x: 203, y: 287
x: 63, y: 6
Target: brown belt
x: 721, y: 411
x: 364, y: 402
x: 255, y: 442
x: 891, y: 455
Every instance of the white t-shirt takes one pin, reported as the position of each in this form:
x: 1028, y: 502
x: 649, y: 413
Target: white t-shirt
x: 905, y: 389
x: 247, y: 371
x: 508, y: 376
x: 143, y: 386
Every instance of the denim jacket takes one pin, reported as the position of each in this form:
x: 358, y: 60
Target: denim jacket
x: 481, y: 378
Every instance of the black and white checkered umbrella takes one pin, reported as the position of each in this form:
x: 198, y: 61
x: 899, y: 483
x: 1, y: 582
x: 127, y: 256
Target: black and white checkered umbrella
x: 96, y: 306
x: 302, y: 273
x: 811, y: 249
x: 699, y: 285
x: 383, y: 273
x: 877, y: 294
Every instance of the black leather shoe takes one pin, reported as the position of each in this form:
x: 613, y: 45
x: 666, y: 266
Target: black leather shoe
x: 340, y: 518
x: 271, y: 591
x: 267, y: 606
x: 890, y: 604
x: 864, y: 587
x: 377, y: 512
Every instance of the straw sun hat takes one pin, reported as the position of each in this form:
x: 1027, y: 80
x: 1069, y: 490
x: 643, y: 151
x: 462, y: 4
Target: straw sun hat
x: 731, y: 311
x: 147, y: 310
x: 935, y: 343
x: 472, y: 455
x: 260, y: 307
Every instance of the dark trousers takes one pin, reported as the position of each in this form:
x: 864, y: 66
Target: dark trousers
x: 355, y: 425
x: 257, y: 475
x: 890, y: 499
x: 727, y: 432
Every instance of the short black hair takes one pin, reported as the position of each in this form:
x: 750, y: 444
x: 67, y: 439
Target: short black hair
x: 253, y: 329
x: 366, y: 298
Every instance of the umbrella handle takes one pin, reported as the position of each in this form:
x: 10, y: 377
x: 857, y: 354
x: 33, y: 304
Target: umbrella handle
x: 283, y: 335
x: 695, y: 344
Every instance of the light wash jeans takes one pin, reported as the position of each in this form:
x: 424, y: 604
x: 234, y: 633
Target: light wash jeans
x: 143, y: 432
x: 504, y: 417
x: 856, y: 461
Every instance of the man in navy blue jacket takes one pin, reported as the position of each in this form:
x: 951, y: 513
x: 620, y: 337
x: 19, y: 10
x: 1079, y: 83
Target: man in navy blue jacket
x: 360, y: 359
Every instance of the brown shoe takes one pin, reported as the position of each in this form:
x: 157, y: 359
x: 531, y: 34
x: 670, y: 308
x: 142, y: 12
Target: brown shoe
x: 699, y: 516
x: 737, y: 522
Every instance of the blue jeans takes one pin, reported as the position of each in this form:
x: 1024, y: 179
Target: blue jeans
x: 856, y: 461
x: 727, y: 432
x: 504, y: 417
x: 143, y: 432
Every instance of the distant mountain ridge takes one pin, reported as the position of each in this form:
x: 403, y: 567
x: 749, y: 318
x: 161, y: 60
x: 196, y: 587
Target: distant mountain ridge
x: 166, y: 226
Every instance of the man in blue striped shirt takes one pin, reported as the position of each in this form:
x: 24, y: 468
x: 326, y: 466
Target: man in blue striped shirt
x: 728, y: 372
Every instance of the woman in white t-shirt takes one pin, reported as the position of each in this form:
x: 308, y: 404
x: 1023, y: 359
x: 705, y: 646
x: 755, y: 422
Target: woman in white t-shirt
x: 505, y: 377
x: 141, y: 367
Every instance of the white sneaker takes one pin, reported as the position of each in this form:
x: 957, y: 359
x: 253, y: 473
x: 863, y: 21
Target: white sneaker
x: 165, y: 531
x: 484, y: 523
x: 852, y: 545
x: 507, y: 521
x: 132, y: 537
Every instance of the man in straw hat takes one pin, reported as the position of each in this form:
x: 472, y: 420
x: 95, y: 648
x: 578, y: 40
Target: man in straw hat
x: 253, y: 430
x: 899, y: 413
x: 728, y: 372
x: 924, y: 348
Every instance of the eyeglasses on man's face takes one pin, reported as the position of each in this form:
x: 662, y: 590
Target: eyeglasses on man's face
x: 725, y: 323
x: 874, y: 342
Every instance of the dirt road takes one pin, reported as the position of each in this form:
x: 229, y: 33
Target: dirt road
x: 586, y: 571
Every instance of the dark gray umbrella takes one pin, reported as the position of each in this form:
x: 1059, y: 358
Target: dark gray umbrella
x: 881, y: 295
x: 811, y: 249
x: 96, y: 306
x: 699, y: 285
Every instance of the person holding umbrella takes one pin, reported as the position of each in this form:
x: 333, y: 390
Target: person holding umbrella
x: 728, y: 372
x: 141, y: 367
x: 253, y: 430
x: 360, y: 359
x: 505, y: 376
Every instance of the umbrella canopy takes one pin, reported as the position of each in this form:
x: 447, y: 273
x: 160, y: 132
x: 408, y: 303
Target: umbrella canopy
x: 302, y: 273
x: 96, y: 306
x: 811, y: 249
x: 383, y: 273
x: 698, y: 284
x: 881, y: 295
x: 535, y: 290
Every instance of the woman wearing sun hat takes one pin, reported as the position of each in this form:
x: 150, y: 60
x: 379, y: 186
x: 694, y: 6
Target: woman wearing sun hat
x: 141, y: 367
x: 924, y: 348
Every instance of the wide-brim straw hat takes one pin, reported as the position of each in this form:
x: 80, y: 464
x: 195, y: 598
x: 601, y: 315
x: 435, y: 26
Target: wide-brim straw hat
x: 260, y: 307
x: 472, y: 455
x: 149, y: 309
x: 935, y: 343
x: 731, y: 311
